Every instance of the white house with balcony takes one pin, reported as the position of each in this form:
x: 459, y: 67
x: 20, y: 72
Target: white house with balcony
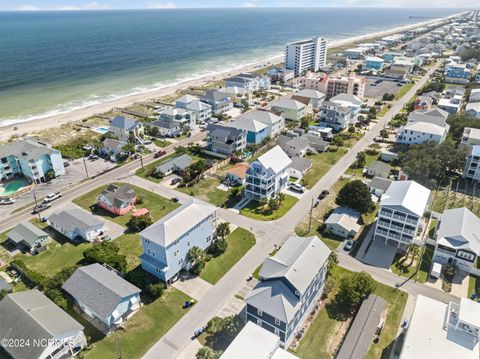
x: 472, y: 168
x: 268, y: 175
x: 457, y: 238
x: 400, y: 215
x: 421, y: 132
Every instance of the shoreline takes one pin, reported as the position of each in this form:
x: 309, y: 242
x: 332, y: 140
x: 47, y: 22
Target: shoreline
x: 23, y: 128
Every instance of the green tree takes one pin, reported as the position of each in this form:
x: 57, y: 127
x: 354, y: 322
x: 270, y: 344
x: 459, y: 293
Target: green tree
x: 355, y: 195
x: 207, y: 353
x: 354, y: 288
x: 3, y: 293
x: 414, y: 251
x: 361, y: 159
x: 106, y: 252
x: 223, y: 229
x: 196, y: 257
x: 332, y: 262
x: 139, y: 223
x: 383, y: 133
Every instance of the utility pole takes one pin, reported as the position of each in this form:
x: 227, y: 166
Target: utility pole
x: 36, y: 204
x: 141, y: 162
x: 310, y: 219
x: 85, y: 165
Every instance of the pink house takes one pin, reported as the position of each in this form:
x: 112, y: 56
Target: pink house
x: 117, y: 200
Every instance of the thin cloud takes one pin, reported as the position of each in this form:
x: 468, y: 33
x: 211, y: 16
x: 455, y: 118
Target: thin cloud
x: 26, y: 7
x: 162, y: 5
x: 87, y: 6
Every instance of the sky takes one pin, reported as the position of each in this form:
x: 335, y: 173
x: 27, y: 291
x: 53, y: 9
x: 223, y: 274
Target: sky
x: 36, y: 5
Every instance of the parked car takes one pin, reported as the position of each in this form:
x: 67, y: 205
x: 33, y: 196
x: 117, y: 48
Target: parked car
x: 297, y: 187
x: 52, y: 197
x: 6, y: 201
x: 323, y: 194
x: 348, y: 245
x: 41, y: 207
x: 316, y: 203
x: 159, y: 154
x: 175, y: 181
x: 93, y: 158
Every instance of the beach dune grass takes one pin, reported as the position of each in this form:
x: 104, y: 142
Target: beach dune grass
x: 157, y: 205
x: 239, y: 243
x: 253, y: 209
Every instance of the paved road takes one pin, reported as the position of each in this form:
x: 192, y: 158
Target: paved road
x: 276, y: 232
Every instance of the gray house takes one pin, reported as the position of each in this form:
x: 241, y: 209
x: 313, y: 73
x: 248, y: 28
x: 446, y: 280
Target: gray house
x: 174, y: 165
x: 226, y: 140
x: 112, y: 147
x: 343, y: 222
x: 291, y: 283
x: 378, y: 169
x: 103, y: 295
x: 35, y: 319
x: 28, y: 236
x: 77, y: 224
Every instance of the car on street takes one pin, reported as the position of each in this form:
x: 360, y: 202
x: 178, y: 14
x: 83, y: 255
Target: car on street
x: 52, y: 197
x: 296, y: 187
x: 323, y: 194
x: 6, y: 201
x: 93, y: 158
x: 159, y: 154
x: 41, y: 207
x: 348, y: 245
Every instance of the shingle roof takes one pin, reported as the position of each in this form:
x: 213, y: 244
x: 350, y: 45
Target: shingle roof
x: 407, y: 195
x: 347, y: 218
x: 275, y: 159
x: 178, y: 222
x: 299, y: 261
x: 288, y: 104
x: 124, y: 123
x: 310, y: 94
x: 99, y: 288
x: 247, y: 124
x: 182, y: 162
x: 459, y: 228
x: 71, y: 219
x: 119, y: 194
x: 379, y: 166
x: 187, y: 99
x: 301, y: 164
x: 113, y: 144
x: 380, y: 183
x: 215, y: 95
x: 426, y: 127
x: 224, y: 132
x: 31, y: 315
x: 27, y: 149
x: 26, y: 232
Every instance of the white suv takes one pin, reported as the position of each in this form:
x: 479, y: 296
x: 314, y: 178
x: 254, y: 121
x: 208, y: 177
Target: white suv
x: 52, y: 197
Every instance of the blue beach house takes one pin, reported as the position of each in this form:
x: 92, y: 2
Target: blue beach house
x: 290, y: 284
x: 167, y: 242
x: 256, y: 131
x: 374, y: 63
x: 30, y: 158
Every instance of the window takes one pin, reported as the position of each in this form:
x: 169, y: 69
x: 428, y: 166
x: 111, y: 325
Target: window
x: 277, y: 321
x: 260, y: 312
x: 277, y: 332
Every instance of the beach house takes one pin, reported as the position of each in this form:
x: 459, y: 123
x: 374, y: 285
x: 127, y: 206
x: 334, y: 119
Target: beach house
x: 30, y: 158
x: 373, y: 63
x: 401, y: 211
x: 225, y: 140
x: 184, y: 118
x: 457, y: 238
x: 201, y: 110
x: 313, y: 98
x: 27, y: 236
x: 218, y: 100
x: 294, y: 146
x: 343, y: 222
x: 174, y: 165
x: 125, y: 129
x: 274, y: 123
x: 268, y: 174
x: 421, y: 132
x: 166, y: 242
x: 118, y: 200
x: 291, y: 109
x: 167, y: 128
x: 339, y: 112
x: 291, y: 281
x: 435, y: 116
x: 112, y: 147
x: 76, y: 224
x: 472, y: 165
x: 457, y: 73
x: 103, y: 296
x: 470, y: 137
x: 256, y: 131
x: 249, y: 82
x: 472, y: 109
x: 46, y: 331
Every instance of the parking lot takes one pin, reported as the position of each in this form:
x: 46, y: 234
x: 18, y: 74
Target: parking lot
x: 376, y: 91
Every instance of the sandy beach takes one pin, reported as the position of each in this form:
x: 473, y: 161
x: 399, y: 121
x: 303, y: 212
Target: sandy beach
x: 24, y: 128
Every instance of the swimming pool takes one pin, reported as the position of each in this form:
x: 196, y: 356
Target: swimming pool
x: 12, y: 187
x: 102, y: 129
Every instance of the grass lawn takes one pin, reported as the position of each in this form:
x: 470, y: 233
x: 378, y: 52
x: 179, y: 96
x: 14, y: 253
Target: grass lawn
x: 383, y: 111
x: 331, y: 241
x: 403, y: 91
x: 150, y: 167
x: 424, y: 269
x: 327, y: 323
x: 207, y: 190
x: 253, y: 210
x: 62, y: 253
x: 4, y: 257
x: 239, y: 243
x: 402, y: 266
x: 321, y: 163
x: 161, y: 143
x: 157, y: 205
x: 359, y: 171
x: 144, y: 328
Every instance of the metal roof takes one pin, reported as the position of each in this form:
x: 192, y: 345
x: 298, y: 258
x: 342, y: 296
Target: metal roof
x: 347, y: 218
x: 99, y: 288
x: 124, y: 123
x: 275, y: 159
x: 459, y: 228
x: 407, y: 196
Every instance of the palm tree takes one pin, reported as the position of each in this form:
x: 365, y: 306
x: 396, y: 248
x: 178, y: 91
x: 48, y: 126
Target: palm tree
x: 281, y: 198
x: 414, y: 252
x: 223, y: 230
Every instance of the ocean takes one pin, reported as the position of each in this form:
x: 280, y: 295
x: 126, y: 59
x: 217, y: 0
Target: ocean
x: 53, y: 62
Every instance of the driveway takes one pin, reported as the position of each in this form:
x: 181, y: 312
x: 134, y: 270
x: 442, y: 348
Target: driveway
x: 379, y: 254
x: 192, y: 286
